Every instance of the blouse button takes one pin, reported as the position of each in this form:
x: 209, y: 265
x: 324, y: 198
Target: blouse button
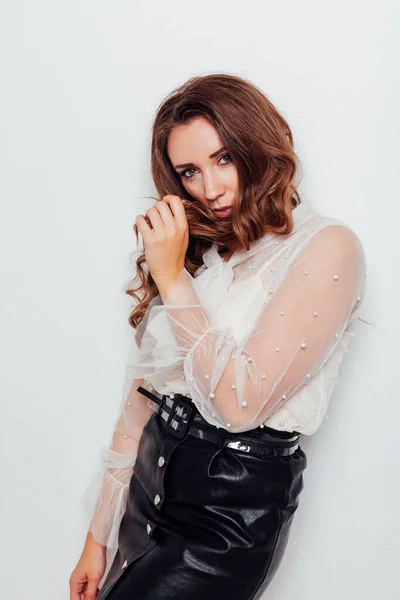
x: 161, y: 461
x: 125, y: 564
x: 148, y: 528
x: 157, y: 499
x: 281, y: 423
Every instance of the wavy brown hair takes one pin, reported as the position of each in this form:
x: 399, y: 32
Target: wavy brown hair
x: 260, y: 143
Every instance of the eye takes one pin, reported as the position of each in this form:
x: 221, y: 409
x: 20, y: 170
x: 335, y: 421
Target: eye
x: 227, y: 155
x: 184, y: 175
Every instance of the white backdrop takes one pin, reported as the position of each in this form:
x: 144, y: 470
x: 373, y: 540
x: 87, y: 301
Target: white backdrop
x: 80, y: 82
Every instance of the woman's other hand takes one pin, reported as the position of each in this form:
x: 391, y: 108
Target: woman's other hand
x: 165, y: 237
x: 85, y: 578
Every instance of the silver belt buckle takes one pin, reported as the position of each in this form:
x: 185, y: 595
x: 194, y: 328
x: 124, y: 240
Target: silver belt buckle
x: 238, y: 445
x: 179, y: 417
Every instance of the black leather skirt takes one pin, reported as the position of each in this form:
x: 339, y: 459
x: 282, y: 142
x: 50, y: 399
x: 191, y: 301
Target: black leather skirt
x: 203, y: 521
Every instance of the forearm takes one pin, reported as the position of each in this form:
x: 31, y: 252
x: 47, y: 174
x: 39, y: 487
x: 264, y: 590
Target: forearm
x: 105, y: 497
x: 178, y: 293
x: 91, y: 543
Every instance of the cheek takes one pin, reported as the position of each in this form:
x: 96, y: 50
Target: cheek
x: 232, y: 179
x: 192, y: 187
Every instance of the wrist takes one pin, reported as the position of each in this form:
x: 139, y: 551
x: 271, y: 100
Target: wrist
x: 93, y: 544
x: 165, y: 283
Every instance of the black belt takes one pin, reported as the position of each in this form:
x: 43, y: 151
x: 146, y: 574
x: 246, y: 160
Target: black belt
x: 182, y: 417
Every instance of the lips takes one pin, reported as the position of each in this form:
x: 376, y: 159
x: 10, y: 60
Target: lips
x: 222, y: 209
x: 223, y: 213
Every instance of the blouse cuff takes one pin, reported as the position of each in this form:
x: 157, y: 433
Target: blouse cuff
x: 104, y: 501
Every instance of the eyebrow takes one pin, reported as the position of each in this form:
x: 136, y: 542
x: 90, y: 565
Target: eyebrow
x: 211, y: 156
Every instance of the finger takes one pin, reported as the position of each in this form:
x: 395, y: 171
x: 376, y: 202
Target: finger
x: 143, y: 227
x: 155, y: 219
x: 91, y: 590
x: 74, y: 593
x: 176, y: 206
x: 168, y: 218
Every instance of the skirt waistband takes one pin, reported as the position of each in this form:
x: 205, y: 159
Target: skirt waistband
x: 180, y: 417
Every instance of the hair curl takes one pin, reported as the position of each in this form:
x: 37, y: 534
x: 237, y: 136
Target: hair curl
x: 260, y: 143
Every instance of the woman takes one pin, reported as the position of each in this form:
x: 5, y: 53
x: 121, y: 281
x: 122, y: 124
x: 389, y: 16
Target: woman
x: 247, y: 305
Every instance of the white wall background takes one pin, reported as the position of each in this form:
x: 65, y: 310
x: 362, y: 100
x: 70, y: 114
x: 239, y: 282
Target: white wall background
x: 80, y: 82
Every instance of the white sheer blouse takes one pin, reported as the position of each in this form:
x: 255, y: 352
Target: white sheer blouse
x: 255, y: 340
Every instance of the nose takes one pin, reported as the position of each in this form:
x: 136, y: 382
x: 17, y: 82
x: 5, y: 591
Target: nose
x: 212, y: 187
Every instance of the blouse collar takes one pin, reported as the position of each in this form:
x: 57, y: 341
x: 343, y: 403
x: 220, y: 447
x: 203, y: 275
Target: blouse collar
x: 300, y: 214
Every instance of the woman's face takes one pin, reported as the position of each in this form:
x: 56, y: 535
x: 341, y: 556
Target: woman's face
x: 205, y: 168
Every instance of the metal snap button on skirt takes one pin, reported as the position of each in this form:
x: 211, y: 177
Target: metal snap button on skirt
x: 202, y: 522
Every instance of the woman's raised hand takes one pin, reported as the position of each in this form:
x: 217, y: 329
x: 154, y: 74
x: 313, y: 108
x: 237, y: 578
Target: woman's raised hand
x: 165, y: 233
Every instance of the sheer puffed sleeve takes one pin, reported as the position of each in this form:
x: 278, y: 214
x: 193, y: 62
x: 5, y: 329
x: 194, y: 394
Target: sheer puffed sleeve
x: 239, y: 384
x: 104, y: 500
